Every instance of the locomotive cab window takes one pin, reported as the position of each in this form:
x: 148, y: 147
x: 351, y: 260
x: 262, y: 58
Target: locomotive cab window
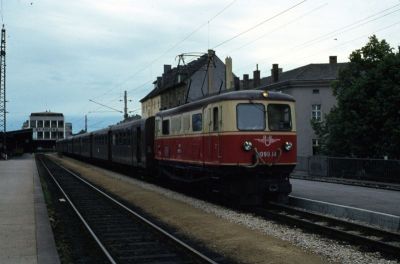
x: 279, y: 117
x: 250, y: 116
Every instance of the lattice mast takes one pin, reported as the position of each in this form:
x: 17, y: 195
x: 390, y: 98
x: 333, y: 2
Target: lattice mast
x: 3, y: 101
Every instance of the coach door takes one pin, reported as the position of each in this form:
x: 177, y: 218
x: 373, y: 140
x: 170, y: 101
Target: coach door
x: 213, y: 138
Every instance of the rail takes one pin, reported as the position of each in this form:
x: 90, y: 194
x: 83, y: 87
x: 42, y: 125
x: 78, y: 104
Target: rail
x: 117, y: 228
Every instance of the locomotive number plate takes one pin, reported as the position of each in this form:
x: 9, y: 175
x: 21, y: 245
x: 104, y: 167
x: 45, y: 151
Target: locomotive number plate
x: 268, y: 154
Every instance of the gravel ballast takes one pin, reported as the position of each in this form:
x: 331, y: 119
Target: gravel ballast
x: 240, y: 236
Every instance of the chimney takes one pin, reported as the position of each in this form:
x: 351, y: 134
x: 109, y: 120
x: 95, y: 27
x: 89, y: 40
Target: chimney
x: 228, y: 73
x: 332, y: 59
x: 256, y: 77
x: 236, y: 81
x: 245, y: 81
x: 275, y: 73
x: 167, y: 68
x: 159, y: 82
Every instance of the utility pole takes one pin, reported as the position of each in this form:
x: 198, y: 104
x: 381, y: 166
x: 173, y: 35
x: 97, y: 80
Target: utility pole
x: 85, y: 123
x: 3, y: 101
x: 125, y: 106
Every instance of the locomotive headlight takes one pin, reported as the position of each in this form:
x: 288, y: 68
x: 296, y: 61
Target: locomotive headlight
x: 247, y: 146
x: 287, y: 146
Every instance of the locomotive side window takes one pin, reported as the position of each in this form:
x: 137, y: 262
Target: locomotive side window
x: 165, y: 127
x: 186, y: 122
x: 279, y: 117
x: 197, y: 122
x: 250, y: 116
x: 215, y: 119
x: 176, y: 125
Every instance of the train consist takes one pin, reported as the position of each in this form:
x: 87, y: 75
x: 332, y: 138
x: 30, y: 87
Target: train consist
x: 240, y: 144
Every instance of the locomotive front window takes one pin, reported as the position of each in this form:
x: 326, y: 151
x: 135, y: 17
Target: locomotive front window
x: 279, y: 117
x: 250, y: 116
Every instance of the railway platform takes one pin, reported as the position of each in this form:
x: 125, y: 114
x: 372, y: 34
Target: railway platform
x: 25, y: 231
x: 370, y: 205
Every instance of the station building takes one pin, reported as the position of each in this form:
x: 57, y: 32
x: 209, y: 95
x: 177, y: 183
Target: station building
x: 47, y: 127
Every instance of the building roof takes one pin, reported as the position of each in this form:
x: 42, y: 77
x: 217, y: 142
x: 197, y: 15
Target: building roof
x: 310, y: 72
x: 46, y: 114
x: 170, y: 79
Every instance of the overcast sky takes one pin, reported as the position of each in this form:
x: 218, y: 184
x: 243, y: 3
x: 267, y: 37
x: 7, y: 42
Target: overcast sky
x: 60, y: 54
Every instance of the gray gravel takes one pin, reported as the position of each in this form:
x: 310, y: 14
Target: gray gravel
x: 332, y: 250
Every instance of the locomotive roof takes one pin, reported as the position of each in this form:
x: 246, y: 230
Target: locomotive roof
x: 126, y: 124
x: 227, y: 96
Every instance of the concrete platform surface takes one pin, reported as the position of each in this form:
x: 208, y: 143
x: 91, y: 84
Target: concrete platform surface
x: 25, y: 232
x: 377, y: 200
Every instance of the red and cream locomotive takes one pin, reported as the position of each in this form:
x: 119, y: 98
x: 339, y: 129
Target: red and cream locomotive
x: 241, y: 144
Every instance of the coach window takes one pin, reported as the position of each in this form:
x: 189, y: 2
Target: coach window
x: 165, y: 127
x: 215, y: 119
x: 279, y: 117
x: 197, y: 122
x: 250, y: 116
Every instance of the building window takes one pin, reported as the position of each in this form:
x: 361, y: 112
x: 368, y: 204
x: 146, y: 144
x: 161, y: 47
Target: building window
x: 46, y: 135
x: 316, y: 113
x: 40, y: 123
x: 33, y: 124
x: 315, y: 147
x: 39, y: 135
x: 60, y: 124
x: 60, y: 134
x: 47, y: 123
x: 315, y: 91
x: 54, y: 135
x: 53, y: 123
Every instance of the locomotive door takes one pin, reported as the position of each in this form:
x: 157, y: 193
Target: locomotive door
x: 213, y: 137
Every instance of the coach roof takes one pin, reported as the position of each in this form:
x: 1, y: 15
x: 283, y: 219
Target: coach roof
x: 228, y: 96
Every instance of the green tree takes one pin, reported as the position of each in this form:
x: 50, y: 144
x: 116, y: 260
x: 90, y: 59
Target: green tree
x: 366, y: 120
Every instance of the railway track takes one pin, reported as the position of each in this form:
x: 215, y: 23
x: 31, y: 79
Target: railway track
x: 123, y: 235
x: 369, y: 238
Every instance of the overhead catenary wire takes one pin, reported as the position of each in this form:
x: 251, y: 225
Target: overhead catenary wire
x: 328, y: 35
x: 352, y: 40
x: 170, y: 49
x: 277, y: 28
x: 258, y: 24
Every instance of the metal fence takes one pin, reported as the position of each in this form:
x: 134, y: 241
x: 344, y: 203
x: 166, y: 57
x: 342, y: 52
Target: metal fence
x: 350, y: 168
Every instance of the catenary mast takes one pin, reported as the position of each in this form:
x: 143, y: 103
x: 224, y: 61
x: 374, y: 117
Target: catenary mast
x: 3, y: 101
